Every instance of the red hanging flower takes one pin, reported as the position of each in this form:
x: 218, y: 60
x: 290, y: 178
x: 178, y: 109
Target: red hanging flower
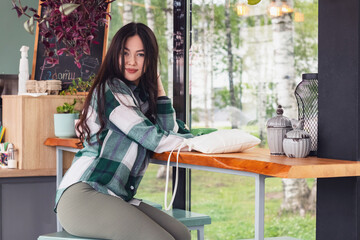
x: 73, y: 23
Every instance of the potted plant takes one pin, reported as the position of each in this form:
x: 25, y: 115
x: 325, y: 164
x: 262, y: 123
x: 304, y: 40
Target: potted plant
x: 78, y: 87
x: 64, y: 120
x: 74, y: 24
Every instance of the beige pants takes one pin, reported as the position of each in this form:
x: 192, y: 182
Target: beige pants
x: 84, y: 212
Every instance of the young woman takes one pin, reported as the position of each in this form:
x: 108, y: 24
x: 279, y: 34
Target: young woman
x: 126, y: 116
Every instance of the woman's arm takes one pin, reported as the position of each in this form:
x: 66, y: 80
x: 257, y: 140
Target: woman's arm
x: 128, y: 118
x: 166, y: 116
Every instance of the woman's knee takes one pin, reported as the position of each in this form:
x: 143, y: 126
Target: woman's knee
x: 178, y: 230
x: 181, y: 232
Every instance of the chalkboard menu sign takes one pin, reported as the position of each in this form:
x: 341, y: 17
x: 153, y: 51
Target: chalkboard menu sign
x: 66, y: 70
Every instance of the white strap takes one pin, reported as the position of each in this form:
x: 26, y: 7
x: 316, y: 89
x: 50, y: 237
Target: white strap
x: 176, y: 176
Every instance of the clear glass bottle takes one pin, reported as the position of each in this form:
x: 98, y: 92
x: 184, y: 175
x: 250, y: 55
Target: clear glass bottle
x: 12, y: 163
x: 10, y: 151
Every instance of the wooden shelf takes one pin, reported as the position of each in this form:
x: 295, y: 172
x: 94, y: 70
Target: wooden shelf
x: 64, y: 142
x: 7, y: 173
x: 260, y: 161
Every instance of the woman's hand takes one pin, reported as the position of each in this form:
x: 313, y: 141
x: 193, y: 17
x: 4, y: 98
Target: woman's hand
x: 161, y: 91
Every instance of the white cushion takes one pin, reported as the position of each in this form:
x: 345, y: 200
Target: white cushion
x: 223, y: 141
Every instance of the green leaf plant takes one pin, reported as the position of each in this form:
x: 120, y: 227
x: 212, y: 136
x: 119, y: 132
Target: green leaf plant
x: 78, y: 85
x: 67, y: 108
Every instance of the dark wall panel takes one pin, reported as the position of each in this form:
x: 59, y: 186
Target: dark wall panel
x: 27, y: 207
x: 339, y: 79
x: 338, y: 199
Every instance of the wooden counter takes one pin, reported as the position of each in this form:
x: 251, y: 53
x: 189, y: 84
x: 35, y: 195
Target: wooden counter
x: 7, y: 173
x: 255, y: 160
x: 29, y: 121
x: 260, y: 161
x: 64, y: 142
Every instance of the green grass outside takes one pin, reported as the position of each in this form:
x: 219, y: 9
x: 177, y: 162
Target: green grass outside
x: 229, y: 201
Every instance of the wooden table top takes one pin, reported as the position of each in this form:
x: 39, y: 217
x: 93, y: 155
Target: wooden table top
x: 12, y: 173
x: 260, y: 161
x: 255, y: 160
x: 63, y: 142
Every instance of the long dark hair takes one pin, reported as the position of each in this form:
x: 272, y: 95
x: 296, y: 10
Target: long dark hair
x: 110, y: 69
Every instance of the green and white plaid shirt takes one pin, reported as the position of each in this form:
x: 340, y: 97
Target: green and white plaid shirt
x: 117, y: 166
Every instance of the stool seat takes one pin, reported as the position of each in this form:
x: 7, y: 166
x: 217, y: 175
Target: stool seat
x: 63, y: 235
x: 192, y: 220
x: 189, y: 219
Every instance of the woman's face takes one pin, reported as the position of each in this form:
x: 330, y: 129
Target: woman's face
x: 134, y: 56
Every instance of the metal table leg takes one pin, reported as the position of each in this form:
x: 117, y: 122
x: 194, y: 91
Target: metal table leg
x: 59, y: 173
x: 259, y: 206
x: 59, y: 166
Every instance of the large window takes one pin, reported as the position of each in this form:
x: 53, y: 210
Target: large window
x: 242, y: 62
x: 245, y: 60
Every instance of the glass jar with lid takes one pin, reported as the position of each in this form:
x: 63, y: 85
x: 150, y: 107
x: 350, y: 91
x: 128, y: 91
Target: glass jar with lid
x: 297, y: 142
x: 277, y: 127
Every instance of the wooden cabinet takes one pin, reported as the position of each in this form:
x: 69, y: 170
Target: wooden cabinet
x: 29, y: 121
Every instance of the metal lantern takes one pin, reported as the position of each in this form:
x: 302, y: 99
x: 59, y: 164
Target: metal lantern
x: 306, y: 93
